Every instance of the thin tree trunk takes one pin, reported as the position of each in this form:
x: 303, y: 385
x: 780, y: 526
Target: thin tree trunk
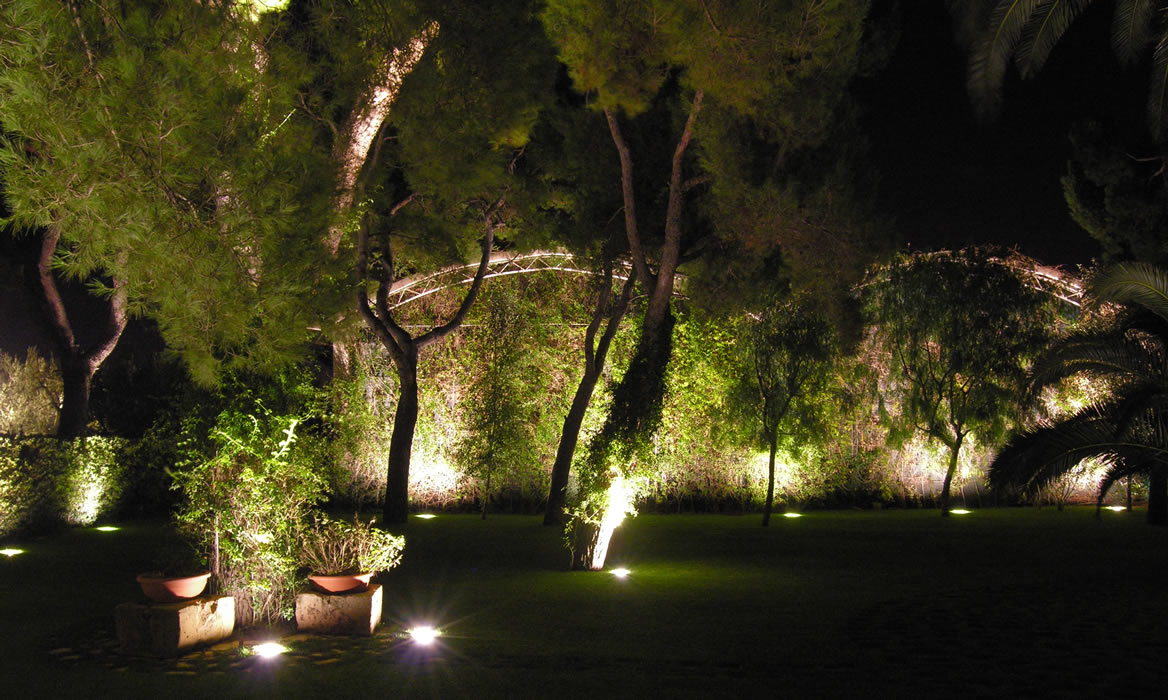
x: 954, y: 451
x: 593, y: 367
x: 401, y: 443
x: 569, y: 438
x: 770, y: 497
x: 1158, y: 495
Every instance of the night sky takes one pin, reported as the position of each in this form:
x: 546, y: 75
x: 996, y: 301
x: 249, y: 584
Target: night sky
x: 945, y: 180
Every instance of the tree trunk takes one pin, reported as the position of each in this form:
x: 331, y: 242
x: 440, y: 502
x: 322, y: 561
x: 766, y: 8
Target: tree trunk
x: 584, y: 537
x: 76, y: 378
x: 554, y: 515
x: 1158, y: 495
x: 954, y: 451
x: 78, y: 364
x: 770, y: 497
x: 401, y: 443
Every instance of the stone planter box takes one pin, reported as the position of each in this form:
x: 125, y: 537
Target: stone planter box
x: 351, y: 613
x: 169, y: 629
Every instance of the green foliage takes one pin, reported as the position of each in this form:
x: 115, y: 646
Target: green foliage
x: 502, y: 406
x: 1127, y: 428
x: 244, y: 507
x: 1116, y: 199
x: 166, y: 157
x: 789, y: 360
x: 960, y: 330
x: 46, y: 483
x: 334, y: 547
x: 30, y: 395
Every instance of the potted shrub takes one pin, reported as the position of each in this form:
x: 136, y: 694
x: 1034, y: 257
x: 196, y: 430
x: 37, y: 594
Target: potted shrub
x: 342, y: 557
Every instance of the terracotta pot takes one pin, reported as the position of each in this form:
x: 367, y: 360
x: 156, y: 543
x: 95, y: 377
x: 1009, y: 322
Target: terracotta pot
x: 345, y: 583
x: 173, y: 589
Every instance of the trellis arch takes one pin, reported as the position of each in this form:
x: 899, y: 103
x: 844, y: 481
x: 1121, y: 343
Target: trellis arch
x: 501, y: 264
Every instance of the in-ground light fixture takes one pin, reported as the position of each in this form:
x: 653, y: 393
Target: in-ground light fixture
x: 424, y: 635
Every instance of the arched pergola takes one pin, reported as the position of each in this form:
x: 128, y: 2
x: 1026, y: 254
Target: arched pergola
x: 501, y: 263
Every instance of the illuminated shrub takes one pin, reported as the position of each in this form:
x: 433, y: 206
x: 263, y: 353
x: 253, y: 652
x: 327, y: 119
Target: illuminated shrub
x: 46, y: 483
x: 30, y: 395
x: 245, y: 506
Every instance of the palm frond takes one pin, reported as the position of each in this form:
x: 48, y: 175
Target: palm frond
x: 1035, y: 458
x: 991, y: 55
x: 1043, y: 30
x: 1157, y: 110
x: 1137, y: 283
x: 1116, y: 471
x: 1109, y: 354
x: 1131, y: 28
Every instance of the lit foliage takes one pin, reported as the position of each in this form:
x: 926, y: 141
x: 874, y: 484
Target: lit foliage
x: 960, y: 330
x: 333, y: 547
x: 789, y: 360
x: 30, y: 395
x: 46, y: 482
x: 501, y: 405
x: 1127, y: 428
x: 245, y: 506
x: 163, y: 155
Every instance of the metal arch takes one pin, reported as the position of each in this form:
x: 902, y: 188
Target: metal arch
x: 1061, y: 285
x: 502, y: 263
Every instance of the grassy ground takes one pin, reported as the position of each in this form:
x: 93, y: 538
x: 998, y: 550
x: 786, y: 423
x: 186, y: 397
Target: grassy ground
x: 999, y: 603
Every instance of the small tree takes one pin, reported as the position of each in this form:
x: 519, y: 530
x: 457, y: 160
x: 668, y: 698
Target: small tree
x: 498, y: 409
x: 960, y: 329
x: 790, y: 353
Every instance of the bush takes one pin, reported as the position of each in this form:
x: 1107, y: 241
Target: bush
x: 30, y: 395
x: 334, y: 547
x: 46, y: 483
x: 245, y: 507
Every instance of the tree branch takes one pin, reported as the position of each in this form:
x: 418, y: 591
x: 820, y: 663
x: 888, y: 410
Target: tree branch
x: 630, y: 201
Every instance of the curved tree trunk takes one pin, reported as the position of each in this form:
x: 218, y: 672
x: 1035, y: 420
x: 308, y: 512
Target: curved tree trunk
x: 593, y: 367
x: 773, y: 437
x: 954, y: 451
x: 77, y: 363
x: 569, y: 438
x: 397, y: 480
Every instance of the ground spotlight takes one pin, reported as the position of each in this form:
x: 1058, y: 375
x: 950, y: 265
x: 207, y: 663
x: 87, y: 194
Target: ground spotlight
x: 423, y: 635
x: 10, y: 552
x: 1116, y: 509
x: 269, y: 650
x: 960, y: 511
x: 621, y: 572
x: 426, y: 516
x: 107, y: 528
x: 792, y: 515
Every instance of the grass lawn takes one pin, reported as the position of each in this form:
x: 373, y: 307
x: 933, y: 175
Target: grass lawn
x: 998, y: 603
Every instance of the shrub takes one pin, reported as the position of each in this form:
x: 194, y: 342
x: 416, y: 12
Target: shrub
x: 30, y: 395
x: 46, y: 483
x: 334, y: 547
x: 245, y: 506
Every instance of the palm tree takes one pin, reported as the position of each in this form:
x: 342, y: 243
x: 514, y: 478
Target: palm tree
x: 1027, y: 31
x: 1127, y: 431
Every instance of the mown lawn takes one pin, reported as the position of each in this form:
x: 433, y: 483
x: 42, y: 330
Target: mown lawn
x: 998, y: 603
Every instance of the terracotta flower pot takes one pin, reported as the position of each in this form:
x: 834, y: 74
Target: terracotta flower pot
x: 345, y: 583
x: 173, y: 589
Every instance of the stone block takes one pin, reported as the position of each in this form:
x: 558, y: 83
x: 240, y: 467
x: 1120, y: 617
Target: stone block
x: 348, y: 613
x: 169, y: 629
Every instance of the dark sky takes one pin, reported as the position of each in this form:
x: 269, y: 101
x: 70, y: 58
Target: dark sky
x: 947, y: 180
